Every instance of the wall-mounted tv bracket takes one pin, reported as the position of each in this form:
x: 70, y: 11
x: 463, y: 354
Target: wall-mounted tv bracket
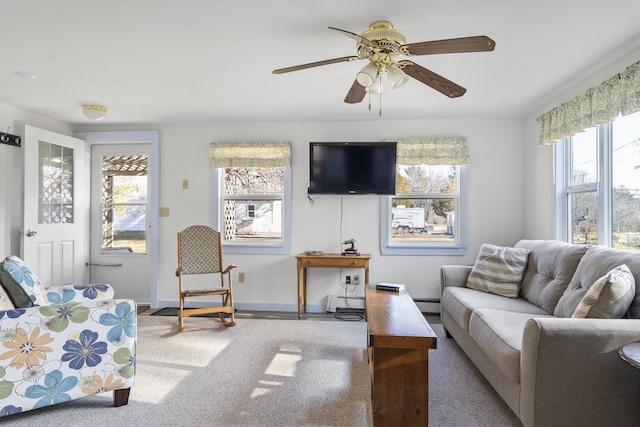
x: 7, y: 138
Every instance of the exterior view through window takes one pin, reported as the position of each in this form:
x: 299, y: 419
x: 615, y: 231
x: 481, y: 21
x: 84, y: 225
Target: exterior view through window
x: 598, y: 209
x: 253, y: 204
x: 124, y: 204
x: 424, y: 208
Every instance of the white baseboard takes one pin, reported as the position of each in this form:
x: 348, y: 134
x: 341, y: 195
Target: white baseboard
x: 249, y: 306
x: 339, y: 301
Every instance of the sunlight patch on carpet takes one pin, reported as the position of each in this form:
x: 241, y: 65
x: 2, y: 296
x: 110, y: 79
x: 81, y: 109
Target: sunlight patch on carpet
x: 157, y: 387
x: 283, y: 365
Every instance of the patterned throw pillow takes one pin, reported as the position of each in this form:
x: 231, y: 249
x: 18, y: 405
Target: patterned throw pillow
x: 499, y: 270
x: 609, y: 297
x: 27, y: 280
x: 5, y: 301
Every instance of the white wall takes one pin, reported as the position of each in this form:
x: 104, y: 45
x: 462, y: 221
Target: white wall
x: 495, y: 205
x: 11, y: 173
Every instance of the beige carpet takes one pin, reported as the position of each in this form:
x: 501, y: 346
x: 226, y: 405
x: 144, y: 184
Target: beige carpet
x: 269, y: 373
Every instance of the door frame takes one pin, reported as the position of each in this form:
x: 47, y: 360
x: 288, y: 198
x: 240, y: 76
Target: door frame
x: 122, y: 137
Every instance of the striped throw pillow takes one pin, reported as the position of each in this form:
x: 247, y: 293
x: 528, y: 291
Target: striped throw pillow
x: 499, y: 270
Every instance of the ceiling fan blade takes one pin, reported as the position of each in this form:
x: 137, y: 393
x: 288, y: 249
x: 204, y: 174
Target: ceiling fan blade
x: 461, y: 45
x: 316, y: 64
x: 355, y: 94
x: 436, y: 81
x: 356, y: 37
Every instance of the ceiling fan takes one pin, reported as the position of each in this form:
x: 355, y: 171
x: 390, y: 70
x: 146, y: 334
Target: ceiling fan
x: 381, y: 44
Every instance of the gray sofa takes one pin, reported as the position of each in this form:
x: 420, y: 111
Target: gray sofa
x: 551, y: 369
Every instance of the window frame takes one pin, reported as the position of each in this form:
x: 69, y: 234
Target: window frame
x: 603, y: 187
x: 280, y: 247
x: 456, y: 248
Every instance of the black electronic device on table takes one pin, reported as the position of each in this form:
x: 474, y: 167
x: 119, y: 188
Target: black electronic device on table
x: 351, y: 250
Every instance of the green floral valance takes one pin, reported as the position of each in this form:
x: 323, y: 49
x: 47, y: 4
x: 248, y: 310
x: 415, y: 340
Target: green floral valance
x: 601, y: 104
x: 432, y: 151
x: 256, y: 154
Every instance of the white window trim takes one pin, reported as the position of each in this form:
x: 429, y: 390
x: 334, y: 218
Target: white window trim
x: 603, y: 187
x: 283, y: 247
x: 457, y: 248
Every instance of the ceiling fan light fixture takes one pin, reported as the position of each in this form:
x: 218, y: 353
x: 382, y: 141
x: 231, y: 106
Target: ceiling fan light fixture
x: 367, y: 76
x: 94, y: 112
x: 376, y: 87
x: 397, y: 77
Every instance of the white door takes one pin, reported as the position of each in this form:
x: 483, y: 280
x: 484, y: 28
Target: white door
x: 54, y: 208
x: 120, y: 220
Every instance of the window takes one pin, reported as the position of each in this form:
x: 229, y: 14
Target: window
x: 251, y: 204
x: 427, y: 215
x: 598, y: 185
x: 123, y: 204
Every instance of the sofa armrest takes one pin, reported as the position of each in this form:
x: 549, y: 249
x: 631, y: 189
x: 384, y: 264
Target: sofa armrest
x: 75, y: 350
x: 80, y: 293
x: 454, y: 275
x: 571, y: 373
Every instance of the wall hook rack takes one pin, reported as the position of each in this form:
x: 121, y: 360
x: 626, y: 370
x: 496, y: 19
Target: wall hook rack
x: 7, y: 138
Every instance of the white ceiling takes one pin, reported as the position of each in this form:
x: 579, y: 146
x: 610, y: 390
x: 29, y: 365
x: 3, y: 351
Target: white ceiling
x: 170, y: 61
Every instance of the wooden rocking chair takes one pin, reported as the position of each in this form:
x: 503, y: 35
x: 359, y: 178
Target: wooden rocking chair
x: 200, y: 252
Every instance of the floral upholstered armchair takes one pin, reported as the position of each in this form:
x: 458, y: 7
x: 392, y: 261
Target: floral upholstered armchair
x: 62, y: 343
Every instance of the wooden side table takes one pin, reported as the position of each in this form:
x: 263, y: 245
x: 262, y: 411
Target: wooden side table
x: 326, y: 261
x: 630, y: 353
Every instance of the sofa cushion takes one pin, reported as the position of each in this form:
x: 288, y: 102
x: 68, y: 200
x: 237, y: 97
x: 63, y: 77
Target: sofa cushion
x: 597, y: 262
x: 549, y: 270
x: 498, y: 270
x: 5, y: 301
x: 460, y: 302
x: 26, y: 278
x: 18, y: 296
x: 609, y: 297
x: 499, y: 334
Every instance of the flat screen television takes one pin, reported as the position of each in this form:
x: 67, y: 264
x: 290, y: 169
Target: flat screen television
x: 352, y: 167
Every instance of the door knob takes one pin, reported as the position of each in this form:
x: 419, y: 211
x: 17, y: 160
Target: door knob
x: 31, y: 233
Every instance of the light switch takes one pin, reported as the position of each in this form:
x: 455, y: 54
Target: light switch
x: 185, y: 184
x: 240, y: 277
x: 164, y: 211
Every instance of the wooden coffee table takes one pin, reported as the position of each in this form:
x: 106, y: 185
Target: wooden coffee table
x: 399, y: 342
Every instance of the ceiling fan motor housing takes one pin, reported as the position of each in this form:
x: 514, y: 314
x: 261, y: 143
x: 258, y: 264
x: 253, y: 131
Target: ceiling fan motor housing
x: 388, y: 38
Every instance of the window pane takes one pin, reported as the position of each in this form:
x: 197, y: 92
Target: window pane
x: 423, y: 220
x: 124, y: 204
x: 253, y: 181
x: 583, y: 211
x: 425, y: 179
x: 626, y: 182
x: 249, y: 220
x: 585, y: 157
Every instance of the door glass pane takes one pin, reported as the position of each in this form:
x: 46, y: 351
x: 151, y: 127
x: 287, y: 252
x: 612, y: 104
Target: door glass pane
x: 124, y: 204
x: 55, y: 184
x: 626, y: 182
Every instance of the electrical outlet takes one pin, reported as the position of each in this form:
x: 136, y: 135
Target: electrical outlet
x: 240, y: 277
x: 356, y: 280
x: 347, y: 280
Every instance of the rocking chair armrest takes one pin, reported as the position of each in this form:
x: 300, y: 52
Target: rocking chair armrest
x: 229, y: 268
